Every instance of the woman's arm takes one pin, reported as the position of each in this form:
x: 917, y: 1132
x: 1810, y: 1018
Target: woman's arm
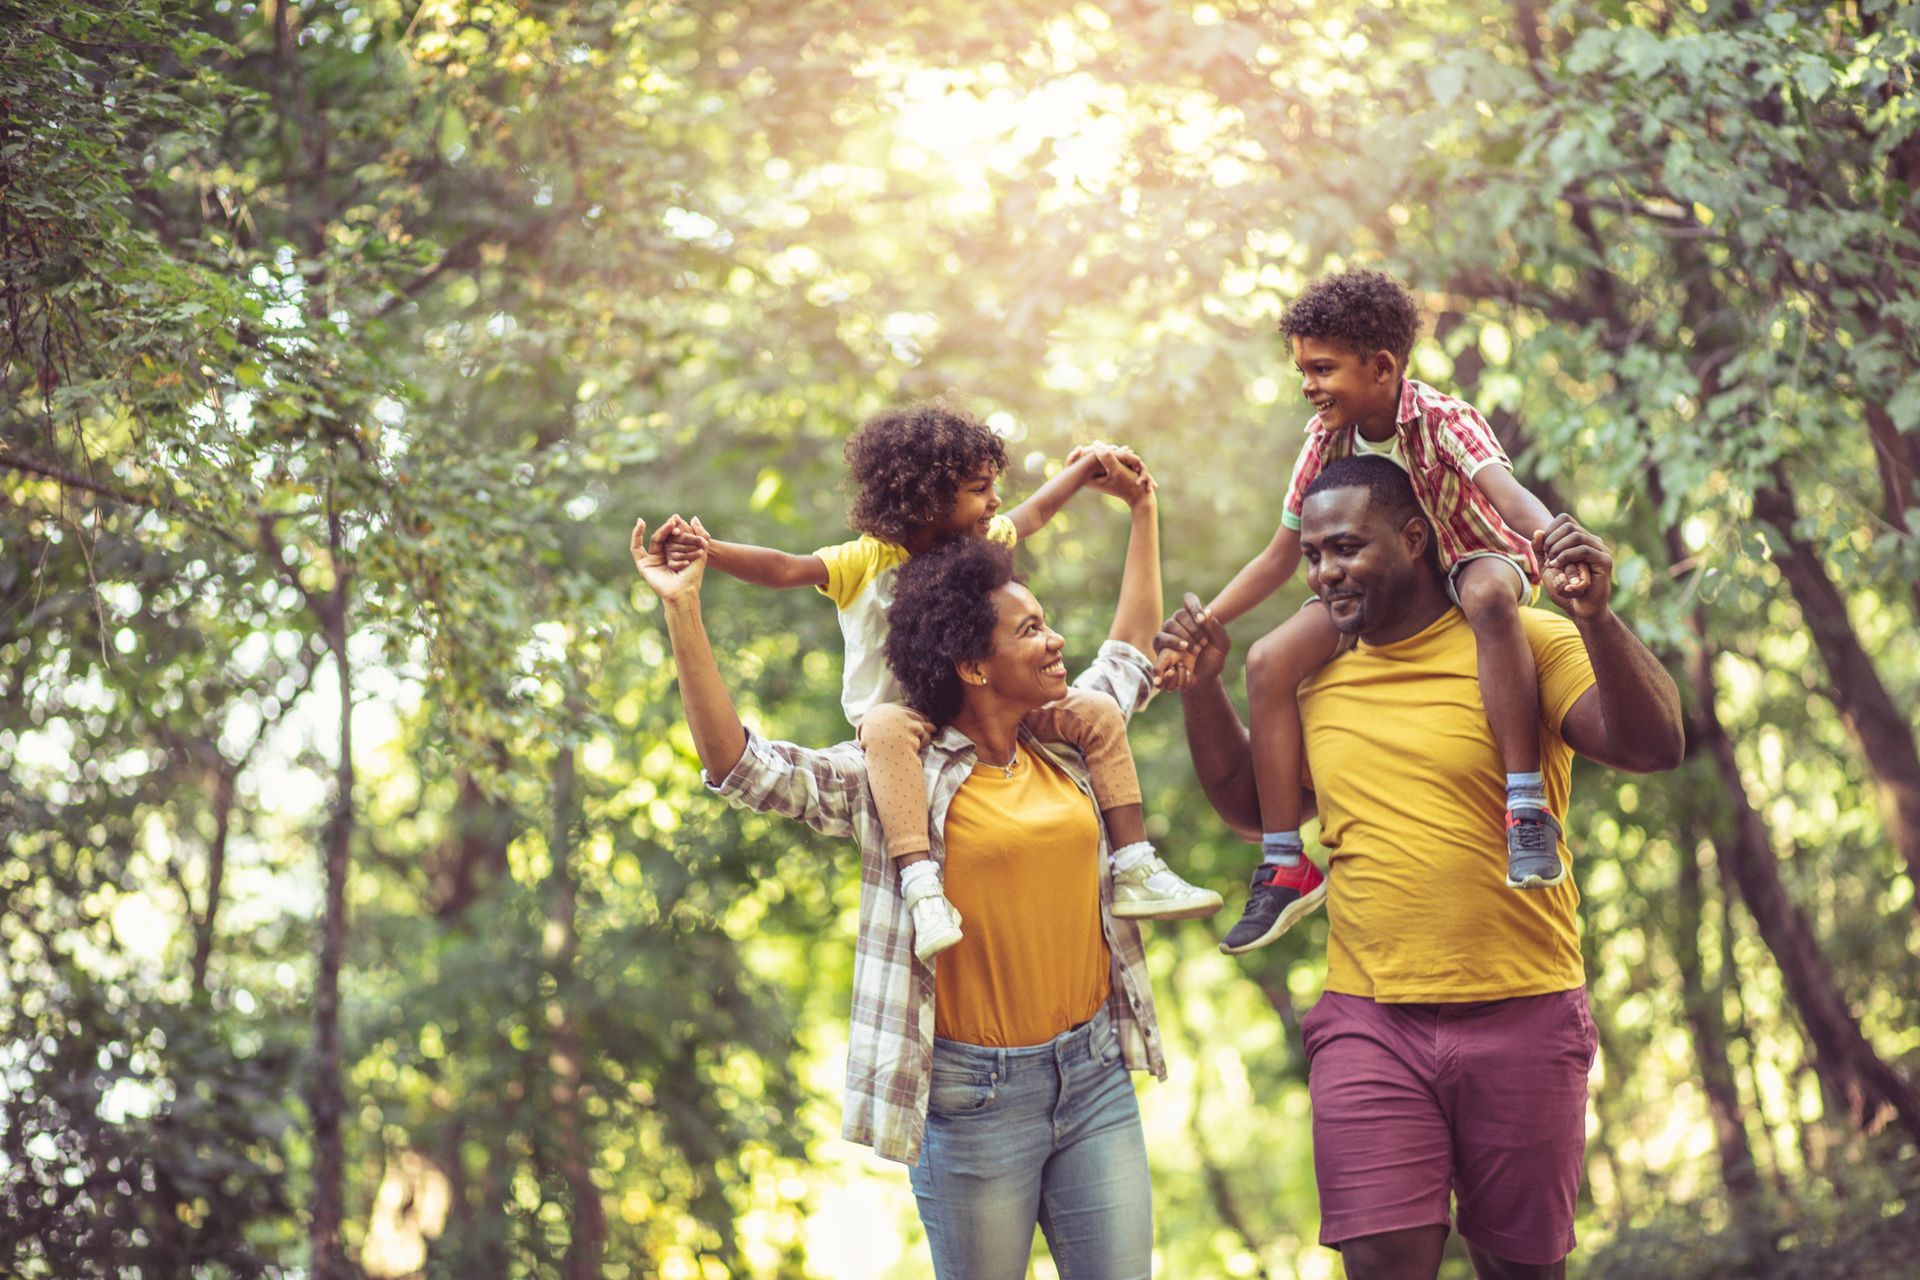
x: 824, y: 789
x: 718, y: 735
x: 1265, y: 574
x: 1137, y: 615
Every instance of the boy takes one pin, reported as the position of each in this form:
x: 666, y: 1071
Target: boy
x: 1351, y: 335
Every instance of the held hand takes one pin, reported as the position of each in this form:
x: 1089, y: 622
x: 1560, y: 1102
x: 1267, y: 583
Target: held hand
x: 1172, y: 670
x: 1197, y: 635
x: 1576, y: 567
x: 652, y: 557
x: 1117, y: 472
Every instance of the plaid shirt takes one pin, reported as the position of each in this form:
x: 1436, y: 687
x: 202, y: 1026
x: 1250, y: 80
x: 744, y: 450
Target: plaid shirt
x: 1445, y: 442
x: 890, y: 1052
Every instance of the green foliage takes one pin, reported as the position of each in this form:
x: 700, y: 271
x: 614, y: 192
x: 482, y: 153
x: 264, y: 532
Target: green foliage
x: 379, y: 324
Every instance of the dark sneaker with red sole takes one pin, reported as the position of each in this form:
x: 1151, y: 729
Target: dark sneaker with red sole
x: 1280, y: 897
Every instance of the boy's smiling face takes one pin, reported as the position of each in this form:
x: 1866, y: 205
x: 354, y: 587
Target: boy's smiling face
x: 1347, y: 388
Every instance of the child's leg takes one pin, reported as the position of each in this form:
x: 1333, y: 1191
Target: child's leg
x: 1144, y: 887
x: 1489, y: 590
x: 1276, y: 665
x: 893, y: 737
x: 1285, y: 886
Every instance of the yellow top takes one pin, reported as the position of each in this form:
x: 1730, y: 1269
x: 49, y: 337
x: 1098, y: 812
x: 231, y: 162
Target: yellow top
x: 1412, y: 802
x: 860, y: 577
x: 1023, y: 867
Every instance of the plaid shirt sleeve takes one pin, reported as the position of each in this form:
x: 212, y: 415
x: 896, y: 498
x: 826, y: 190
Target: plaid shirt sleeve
x: 826, y: 789
x: 1306, y: 469
x: 1121, y: 672
x: 1465, y: 442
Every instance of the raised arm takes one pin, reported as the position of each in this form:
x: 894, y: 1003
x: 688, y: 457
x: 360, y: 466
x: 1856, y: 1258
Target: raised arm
x: 1085, y: 464
x: 1137, y: 615
x: 1525, y: 514
x: 763, y: 566
x: 1217, y: 740
x: 718, y: 735
x: 1263, y: 575
x: 1630, y: 719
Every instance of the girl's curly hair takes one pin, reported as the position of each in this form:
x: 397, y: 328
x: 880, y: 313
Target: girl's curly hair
x: 943, y: 614
x: 907, y: 465
x: 1364, y: 311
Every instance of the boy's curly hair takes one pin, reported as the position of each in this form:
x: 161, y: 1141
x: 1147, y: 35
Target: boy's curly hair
x: 1364, y: 311
x: 906, y: 465
x: 943, y: 614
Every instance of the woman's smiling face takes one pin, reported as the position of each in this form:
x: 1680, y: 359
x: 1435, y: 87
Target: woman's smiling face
x: 1027, y: 666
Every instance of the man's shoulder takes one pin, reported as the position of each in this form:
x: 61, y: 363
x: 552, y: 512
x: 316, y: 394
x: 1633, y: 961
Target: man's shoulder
x: 1546, y: 625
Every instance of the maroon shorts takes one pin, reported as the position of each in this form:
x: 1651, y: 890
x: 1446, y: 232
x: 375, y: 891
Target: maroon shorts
x: 1485, y: 1101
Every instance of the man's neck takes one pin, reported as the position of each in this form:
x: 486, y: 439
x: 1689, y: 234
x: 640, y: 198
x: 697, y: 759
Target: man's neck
x: 1424, y: 606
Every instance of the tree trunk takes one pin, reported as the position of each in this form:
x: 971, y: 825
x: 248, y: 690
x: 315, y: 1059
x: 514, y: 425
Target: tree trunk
x: 328, y: 1101
x: 203, y: 925
x: 587, y: 1239
x: 1706, y: 1022
x: 1878, y: 726
x: 1850, y: 1071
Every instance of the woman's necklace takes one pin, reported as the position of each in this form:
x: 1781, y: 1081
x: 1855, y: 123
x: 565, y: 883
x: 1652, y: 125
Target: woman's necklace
x: 1006, y: 770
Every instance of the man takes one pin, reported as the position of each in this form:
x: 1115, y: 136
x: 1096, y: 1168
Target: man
x: 1450, y: 1052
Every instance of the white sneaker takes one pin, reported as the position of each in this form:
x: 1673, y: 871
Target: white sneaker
x: 1150, y: 890
x: 936, y: 922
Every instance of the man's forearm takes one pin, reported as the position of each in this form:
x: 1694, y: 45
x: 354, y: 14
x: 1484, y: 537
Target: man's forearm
x: 1639, y: 704
x: 1142, y: 602
x: 718, y: 735
x: 1222, y: 756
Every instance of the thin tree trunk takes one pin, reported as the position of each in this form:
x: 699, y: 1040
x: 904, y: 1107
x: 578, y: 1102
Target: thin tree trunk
x: 587, y: 1239
x: 1743, y: 1027
x: 203, y: 925
x: 328, y: 1095
x: 1877, y: 724
x: 1706, y: 1022
x: 1849, y: 1069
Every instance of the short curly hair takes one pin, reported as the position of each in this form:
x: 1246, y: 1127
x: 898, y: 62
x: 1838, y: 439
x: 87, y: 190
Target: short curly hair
x: 1361, y: 310
x: 907, y: 465
x: 942, y: 615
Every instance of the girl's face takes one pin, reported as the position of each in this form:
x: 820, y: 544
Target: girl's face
x: 973, y: 506
x: 1347, y: 388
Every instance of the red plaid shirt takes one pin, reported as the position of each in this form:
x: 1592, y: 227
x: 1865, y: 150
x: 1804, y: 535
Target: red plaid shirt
x: 1444, y: 441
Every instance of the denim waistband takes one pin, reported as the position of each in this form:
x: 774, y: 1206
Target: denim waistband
x: 1069, y: 1047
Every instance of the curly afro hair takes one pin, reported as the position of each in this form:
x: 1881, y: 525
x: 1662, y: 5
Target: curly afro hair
x: 1363, y: 311
x: 942, y: 615
x: 907, y: 466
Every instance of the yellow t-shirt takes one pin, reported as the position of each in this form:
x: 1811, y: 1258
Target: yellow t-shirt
x: 1023, y: 868
x: 860, y: 583
x: 1412, y: 801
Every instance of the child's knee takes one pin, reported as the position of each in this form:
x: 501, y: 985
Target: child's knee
x: 1489, y: 591
x: 1281, y: 659
x: 893, y: 723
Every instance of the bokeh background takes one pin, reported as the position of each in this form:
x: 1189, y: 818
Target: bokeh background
x: 364, y: 912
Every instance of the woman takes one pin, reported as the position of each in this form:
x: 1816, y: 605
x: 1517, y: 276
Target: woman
x: 1000, y: 1071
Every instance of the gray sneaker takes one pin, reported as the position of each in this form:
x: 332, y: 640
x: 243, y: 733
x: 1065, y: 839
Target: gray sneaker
x: 1533, y: 848
x: 1150, y: 890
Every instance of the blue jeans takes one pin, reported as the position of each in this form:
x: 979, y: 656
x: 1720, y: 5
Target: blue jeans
x: 1047, y: 1135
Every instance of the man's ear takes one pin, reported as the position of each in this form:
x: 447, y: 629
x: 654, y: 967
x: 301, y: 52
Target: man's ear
x: 1416, y: 534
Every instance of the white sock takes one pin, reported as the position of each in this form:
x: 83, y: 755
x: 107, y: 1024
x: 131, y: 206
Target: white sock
x: 914, y: 873
x: 1130, y: 856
